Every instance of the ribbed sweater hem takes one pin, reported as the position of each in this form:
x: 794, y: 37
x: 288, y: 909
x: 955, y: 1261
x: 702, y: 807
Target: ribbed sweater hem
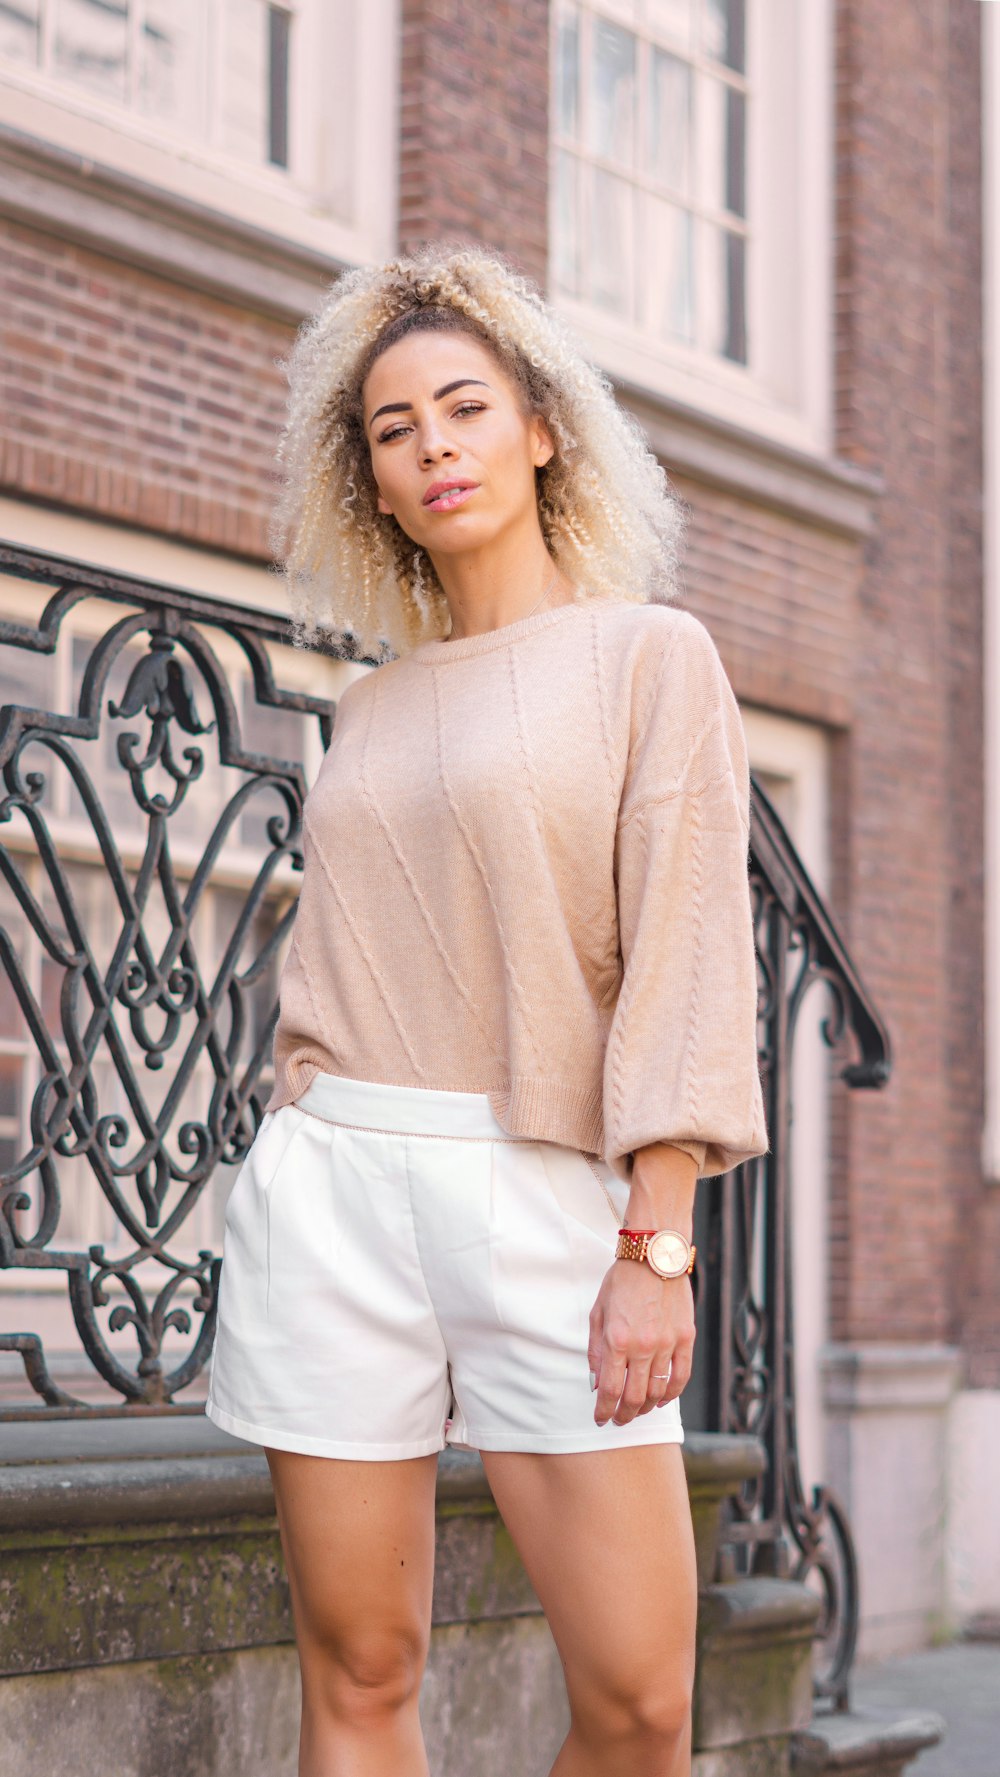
x: 551, y: 1110
x: 541, y: 1110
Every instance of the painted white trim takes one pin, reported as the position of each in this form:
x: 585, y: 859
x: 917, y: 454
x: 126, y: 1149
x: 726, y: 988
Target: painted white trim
x: 991, y: 585
x: 792, y: 759
x: 123, y: 550
x: 786, y: 394
x: 348, y: 217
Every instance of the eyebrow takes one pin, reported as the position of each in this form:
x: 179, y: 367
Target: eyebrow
x: 439, y: 394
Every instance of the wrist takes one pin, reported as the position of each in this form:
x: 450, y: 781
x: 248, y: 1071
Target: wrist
x: 662, y: 1189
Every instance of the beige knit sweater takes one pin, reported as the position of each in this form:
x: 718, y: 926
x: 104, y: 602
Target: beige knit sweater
x: 525, y: 874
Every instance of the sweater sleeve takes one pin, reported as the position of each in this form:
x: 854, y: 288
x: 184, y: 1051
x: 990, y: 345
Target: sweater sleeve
x: 681, y: 1059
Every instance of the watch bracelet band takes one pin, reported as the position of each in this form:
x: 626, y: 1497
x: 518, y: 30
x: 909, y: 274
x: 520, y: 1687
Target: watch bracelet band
x: 632, y: 1244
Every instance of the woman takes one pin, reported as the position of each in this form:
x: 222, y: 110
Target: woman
x: 518, y: 1015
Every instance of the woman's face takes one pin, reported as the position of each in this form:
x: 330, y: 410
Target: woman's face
x: 439, y: 411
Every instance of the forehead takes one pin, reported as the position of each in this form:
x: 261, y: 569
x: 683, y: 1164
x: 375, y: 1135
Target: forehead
x: 421, y: 362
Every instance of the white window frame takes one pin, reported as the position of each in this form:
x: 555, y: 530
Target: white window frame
x: 784, y: 393
x: 797, y: 754
x: 339, y: 195
x: 991, y: 585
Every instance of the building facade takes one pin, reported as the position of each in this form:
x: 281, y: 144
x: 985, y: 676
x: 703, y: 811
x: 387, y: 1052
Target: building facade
x: 772, y: 224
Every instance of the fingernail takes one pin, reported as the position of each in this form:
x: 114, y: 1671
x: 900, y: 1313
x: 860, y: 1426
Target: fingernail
x: 593, y: 1381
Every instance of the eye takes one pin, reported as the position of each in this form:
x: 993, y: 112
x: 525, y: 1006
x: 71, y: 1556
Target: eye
x: 463, y: 407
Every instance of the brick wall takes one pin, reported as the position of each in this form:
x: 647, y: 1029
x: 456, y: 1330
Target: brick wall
x: 134, y: 399
x: 906, y: 789
x: 474, y: 126
x: 975, y: 1253
x: 779, y: 595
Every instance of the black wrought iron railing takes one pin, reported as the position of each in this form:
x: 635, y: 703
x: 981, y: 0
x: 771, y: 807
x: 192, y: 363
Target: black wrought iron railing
x: 154, y: 770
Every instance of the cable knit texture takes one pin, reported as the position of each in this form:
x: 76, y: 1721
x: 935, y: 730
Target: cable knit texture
x: 526, y: 875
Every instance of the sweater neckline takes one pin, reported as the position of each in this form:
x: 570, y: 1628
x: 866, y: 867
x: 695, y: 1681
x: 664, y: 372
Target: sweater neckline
x: 441, y: 649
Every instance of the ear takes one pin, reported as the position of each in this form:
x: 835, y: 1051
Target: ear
x: 542, y: 446
x: 384, y: 506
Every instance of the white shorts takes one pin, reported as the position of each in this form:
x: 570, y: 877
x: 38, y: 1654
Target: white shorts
x: 400, y: 1274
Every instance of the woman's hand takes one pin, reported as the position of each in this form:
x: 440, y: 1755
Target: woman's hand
x: 641, y: 1327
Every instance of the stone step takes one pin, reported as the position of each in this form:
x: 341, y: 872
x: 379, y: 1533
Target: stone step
x: 864, y: 1743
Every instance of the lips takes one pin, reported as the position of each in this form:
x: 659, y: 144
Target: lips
x: 442, y: 496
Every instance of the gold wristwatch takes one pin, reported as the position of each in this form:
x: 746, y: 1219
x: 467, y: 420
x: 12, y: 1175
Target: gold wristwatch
x: 665, y: 1251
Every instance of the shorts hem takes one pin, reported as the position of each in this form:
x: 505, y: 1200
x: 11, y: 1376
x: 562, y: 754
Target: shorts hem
x: 305, y: 1445
x: 567, y: 1443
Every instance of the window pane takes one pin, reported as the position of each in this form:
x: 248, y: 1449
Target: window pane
x: 668, y: 116
x: 670, y: 18
x: 613, y: 92
x: 172, y: 64
x: 565, y: 225
x: 246, y: 75
x: 19, y: 23
x: 610, y: 244
x: 567, y: 105
x: 91, y: 41
x: 724, y: 32
x: 722, y: 292
x: 665, y: 270
x: 721, y: 146
x: 278, y: 46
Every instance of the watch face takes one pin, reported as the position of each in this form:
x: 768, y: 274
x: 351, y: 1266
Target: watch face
x: 668, y: 1254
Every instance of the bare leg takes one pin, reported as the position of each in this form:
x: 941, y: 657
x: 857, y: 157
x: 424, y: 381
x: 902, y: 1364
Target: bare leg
x: 358, y: 1541
x: 607, y: 1540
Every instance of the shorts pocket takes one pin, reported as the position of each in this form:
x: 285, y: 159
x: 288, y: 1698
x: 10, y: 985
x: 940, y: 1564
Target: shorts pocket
x: 263, y: 1161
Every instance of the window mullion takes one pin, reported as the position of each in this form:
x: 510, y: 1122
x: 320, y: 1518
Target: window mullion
x: 134, y: 21
x: 46, y: 45
x: 214, y: 80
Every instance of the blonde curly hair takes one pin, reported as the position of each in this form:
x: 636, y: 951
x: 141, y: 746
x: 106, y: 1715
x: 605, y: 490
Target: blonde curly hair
x: 608, y: 515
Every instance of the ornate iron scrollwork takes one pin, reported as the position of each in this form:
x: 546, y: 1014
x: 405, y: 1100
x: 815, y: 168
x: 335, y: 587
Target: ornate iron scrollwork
x: 750, y: 1310
x: 151, y: 1003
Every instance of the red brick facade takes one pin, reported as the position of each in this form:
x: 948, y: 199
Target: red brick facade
x: 474, y: 126
x: 132, y: 397
x: 908, y: 785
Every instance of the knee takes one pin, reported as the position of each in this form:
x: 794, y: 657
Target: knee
x: 373, y: 1672
x: 651, y: 1714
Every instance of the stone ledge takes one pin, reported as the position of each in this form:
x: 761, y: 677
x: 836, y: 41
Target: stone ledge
x: 882, y: 1377
x: 865, y: 1743
x: 754, y: 1662
x: 156, y: 1468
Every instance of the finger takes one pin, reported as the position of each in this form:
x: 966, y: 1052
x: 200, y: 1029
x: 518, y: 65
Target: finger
x: 611, y: 1380
x: 659, y: 1381
x: 635, y: 1391
x: 680, y: 1370
x: 595, y: 1343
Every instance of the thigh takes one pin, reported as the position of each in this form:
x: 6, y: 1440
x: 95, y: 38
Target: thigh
x: 607, y: 1540
x: 358, y: 1542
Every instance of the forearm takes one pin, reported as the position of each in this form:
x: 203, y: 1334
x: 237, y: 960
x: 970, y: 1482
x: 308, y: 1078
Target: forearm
x: 662, y: 1191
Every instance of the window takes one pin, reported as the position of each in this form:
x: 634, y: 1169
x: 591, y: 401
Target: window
x: 239, y: 105
x: 651, y: 131
x: 691, y: 199
x: 212, y: 72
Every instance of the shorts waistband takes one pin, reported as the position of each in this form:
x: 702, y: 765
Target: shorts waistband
x: 402, y: 1110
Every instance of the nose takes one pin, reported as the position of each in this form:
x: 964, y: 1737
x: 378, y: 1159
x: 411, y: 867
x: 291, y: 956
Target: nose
x: 434, y: 442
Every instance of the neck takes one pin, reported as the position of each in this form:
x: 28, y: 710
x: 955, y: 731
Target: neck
x: 500, y: 584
